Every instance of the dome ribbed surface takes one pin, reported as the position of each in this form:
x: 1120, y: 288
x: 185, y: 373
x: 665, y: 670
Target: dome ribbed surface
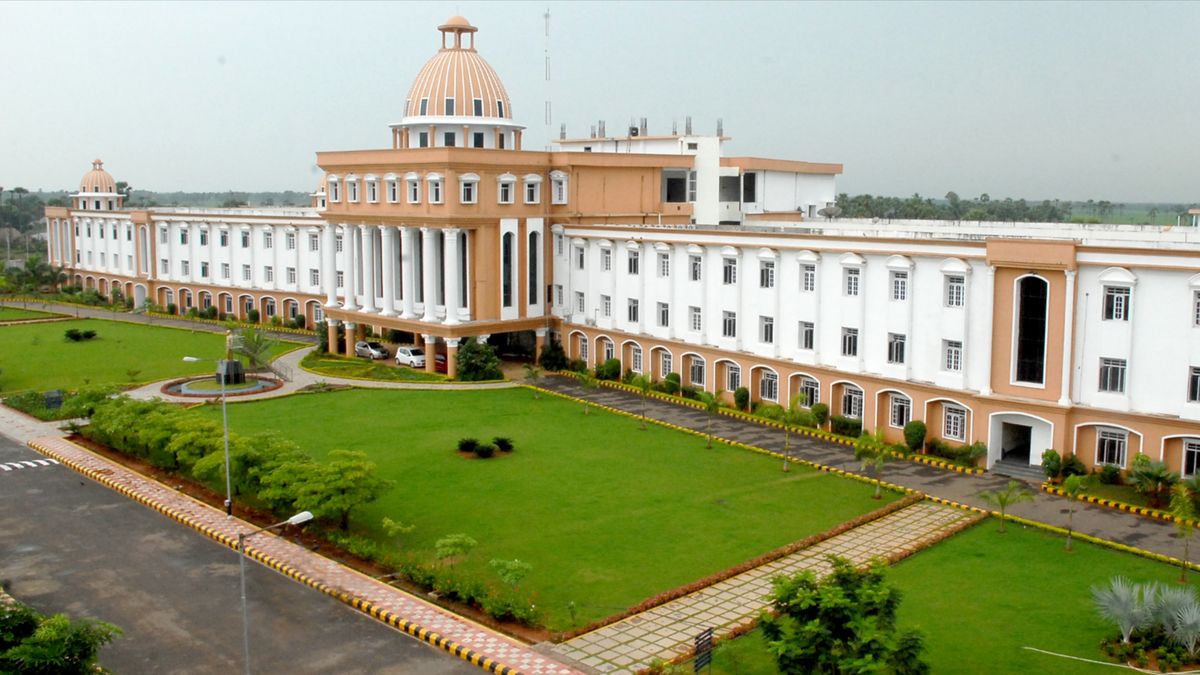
x: 97, y: 180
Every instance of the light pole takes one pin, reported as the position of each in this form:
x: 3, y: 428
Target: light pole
x: 225, y: 425
x: 298, y: 519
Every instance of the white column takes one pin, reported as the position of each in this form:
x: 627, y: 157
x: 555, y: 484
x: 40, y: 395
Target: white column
x: 968, y: 344
x: 453, y: 270
x: 777, y: 312
x: 328, y: 263
x: 910, y: 339
x: 819, y: 279
x: 986, y: 313
x: 348, y: 267
x: 408, y: 291
x: 388, y: 236
x: 1068, y: 332
x: 368, y: 267
x: 429, y: 272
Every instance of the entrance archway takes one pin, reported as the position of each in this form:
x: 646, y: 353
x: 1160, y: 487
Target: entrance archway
x: 1018, y: 437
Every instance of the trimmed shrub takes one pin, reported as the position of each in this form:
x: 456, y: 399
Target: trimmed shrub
x: 914, y: 435
x: 1110, y: 475
x: 171, y: 307
x: 741, y: 398
x: 1051, y: 463
x: 485, y: 450
x: 627, y: 378
x: 467, y: 444
x: 845, y: 426
x: 577, y: 366
x: 1072, y: 466
x: 804, y: 418
x: 299, y: 321
x: 252, y: 316
x: 820, y: 413
x: 553, y: 356
x: 671, y: 383
x: 609, y: 370
x: 690, y: 393
x: 73, y: 335
x: 477, y: 361
x: 503, y: 444
x: 88, y: 334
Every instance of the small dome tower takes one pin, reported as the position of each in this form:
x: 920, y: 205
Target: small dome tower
x: 457, y: 100
x: 98, y: 190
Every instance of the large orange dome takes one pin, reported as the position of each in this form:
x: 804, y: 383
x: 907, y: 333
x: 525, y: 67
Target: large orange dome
x: 458, y: 74
x: 98, y: 180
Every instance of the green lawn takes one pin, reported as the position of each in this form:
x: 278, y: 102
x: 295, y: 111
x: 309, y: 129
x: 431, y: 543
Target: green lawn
x: 333, y: 366
x: 606, y: 513
x: 18, y: 314
x: 37, y: 356
x: 981, y: 596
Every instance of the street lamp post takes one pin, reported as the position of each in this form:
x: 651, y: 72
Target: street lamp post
x: 298, y: 519
x: 225, y: 426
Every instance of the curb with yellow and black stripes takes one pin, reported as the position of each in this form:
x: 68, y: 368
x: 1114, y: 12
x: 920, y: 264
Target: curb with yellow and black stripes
x: 360, y: 604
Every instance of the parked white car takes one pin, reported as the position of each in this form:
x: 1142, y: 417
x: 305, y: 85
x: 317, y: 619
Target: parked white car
x: 370, y: 350
x: 410, y: 356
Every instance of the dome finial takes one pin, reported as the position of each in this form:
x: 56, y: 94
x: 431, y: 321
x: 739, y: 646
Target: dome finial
x: 97, y: 164
x: 458, y: 25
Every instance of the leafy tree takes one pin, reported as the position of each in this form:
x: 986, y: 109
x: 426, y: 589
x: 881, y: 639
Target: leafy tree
x: 842, y: 623
x: 712, y: 405
x: 256, y: 346
x: 872, y: 451
x: 643, y: 383
x: 477, y: 361
x: 1013, y: 493
x: 532, y: 375
x: 335, y: 487
x: 453, y: 546
x: 1183, y: 508
x: 394, y: 528
x: 511, y: 572
x: 53, y: 645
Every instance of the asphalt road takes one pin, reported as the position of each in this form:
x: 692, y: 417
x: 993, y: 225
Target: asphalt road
x: 70, y: 545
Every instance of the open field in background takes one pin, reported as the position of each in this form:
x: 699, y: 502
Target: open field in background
x: 606, y: 513
x: 37, y: 356
x: 980, y: 597
x: 18, y: 314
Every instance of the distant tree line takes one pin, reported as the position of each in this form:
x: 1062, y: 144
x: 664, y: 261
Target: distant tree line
x: 984, y: 208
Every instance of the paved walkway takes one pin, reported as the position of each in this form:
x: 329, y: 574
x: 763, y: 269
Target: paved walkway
x: 1117, y: 526
x: 466, y: 639
x: 669, y: 629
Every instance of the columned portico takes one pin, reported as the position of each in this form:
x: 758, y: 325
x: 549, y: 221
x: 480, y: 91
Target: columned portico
x: 408, y: 290
x: 450, y: 258
x: 451, y: 358
x: 331, y: 336
x: 348, y: 267
x: 430, y: 353
x: 368, y: 267
x: 429, y: 268
x: 351, y: 327
x: 388, y: 236
x: 539, y: 342
x: 329, y: 263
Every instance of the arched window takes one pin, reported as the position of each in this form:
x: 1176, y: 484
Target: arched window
x: 534, y: 254
x: 506, y: 269
x: 852, y: 401
x: 1032, y: 302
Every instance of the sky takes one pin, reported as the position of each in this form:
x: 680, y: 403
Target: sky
x: 1097, y: 100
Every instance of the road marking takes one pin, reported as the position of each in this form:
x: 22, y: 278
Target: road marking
x: 25, y: 464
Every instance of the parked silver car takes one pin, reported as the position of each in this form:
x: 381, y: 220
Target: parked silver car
x: 370, y: 350
x: 410, y: 356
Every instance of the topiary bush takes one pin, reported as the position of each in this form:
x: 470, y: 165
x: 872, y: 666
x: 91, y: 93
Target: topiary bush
x: 845, y: 426
x: 171, y: 307
x: 577, y: 366
x: 672, y: 383
x: 553, y: 356
x: 741, y: 398
x: 914, y: 435
x: 1052, y: 463
x: 478, y: 361
x: 1072, y: 466
x: 251, y: 316
x: 609, y: 370
x: 1110, y: 475
x: 467, y: 444
x: 503, y: 444
x: 820, y: 413
x: 485, y: 450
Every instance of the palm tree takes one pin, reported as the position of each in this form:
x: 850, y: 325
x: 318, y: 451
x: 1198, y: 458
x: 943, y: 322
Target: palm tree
x: 1153, y: 479
x: 712, y: 404
x: 590, y: 383
x: 1013, y: 493
x: 789, y: 416
x: 643, y: 382
x: 255, y: 345
x: 1183, y: 508
x: 1122, y: 604
x: 532, y: 374
x: 871, y: 450
x: 1073, y: 485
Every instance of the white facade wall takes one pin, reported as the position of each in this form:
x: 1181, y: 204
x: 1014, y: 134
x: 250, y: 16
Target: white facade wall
x: 787, y: 191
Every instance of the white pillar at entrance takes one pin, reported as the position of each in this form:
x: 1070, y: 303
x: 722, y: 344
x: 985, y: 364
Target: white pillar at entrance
x: 408, y: 268
x: 388, y: 235
x: 329, y: 263
x: 348, y: 267
x: 368, y: 267
x: 429, y: 268
x: 453, y: 270
x: 1068, y: 338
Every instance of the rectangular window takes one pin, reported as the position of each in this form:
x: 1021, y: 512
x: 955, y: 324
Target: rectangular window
x: 291, y: 275
x: 664, y: 314
x: 766, y: 329
x: 768, y: 387
x: 183, y: 236
x: 341, y: 279
x: 129, y: 262
x: 558, y: 294
x: 1116, y: 303
x: 955, y: 291
x: 164, y: 266
x: 338, y: 243
x: 414, y: 191
x: 1193, y: 395
x: 696, y: 372
x: 808, y: 278
x: 606, y: 305
x: 810, y: 391
x: 1196, y: 308
x: 424, y: 107
x: 852, y: 402
x: 952, y: 355
x: 610, y: 350
x: 1110, y: 448
x: 580, y: 304
x: 664, y: 264
x: 733, y: 377
x: 901, y: 411
x: 268, y: 239
x: 899, y: 285
x: 849, y: 342
x: 633, y: 310
x: 352, y: 191
x: 477, y: 139
x: 954, y: 425
x: 579, y: 257
x: 696, y: 266
x: 467, y: 192
x: 393, y: 192
x: 228, y: 304
x: 423, y: 139
x: 246, y: 239
x: 583, y: 348
x: 533, y: 193
x: 289, y: 241
x: 224, y: 270
x: 314, y: 242
x: 559, y: 187
x: 896, y: 348
x: 435, y: 192
x: 1191, y: 458
x: 637, y: 360
x: 245, y: 273
x: 268, y: 274
x: 633, y: 262
x: 448, y: 139
x: 691, y: 185
x: 478, y: 107
x: 203, y: 237
x: 694, y: 318
x: 162, y: 235
x: 806, y: 335
x: 223, y: 239
x: 204, y: 270
x: 1112, y: 375
x: 558, y: 244
x: 729, y: 271
x: 314, y: 277
x: 449, y: 107
x: 606, y: 259
x: 666, y: 366
x: 506, y: 193
x: 850, y: 285
x: 728, y: 324
x: 372, y: 191
x: 766, y: 274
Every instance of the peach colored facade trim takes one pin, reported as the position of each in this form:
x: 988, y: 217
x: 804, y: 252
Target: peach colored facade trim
x: 790, y: 166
